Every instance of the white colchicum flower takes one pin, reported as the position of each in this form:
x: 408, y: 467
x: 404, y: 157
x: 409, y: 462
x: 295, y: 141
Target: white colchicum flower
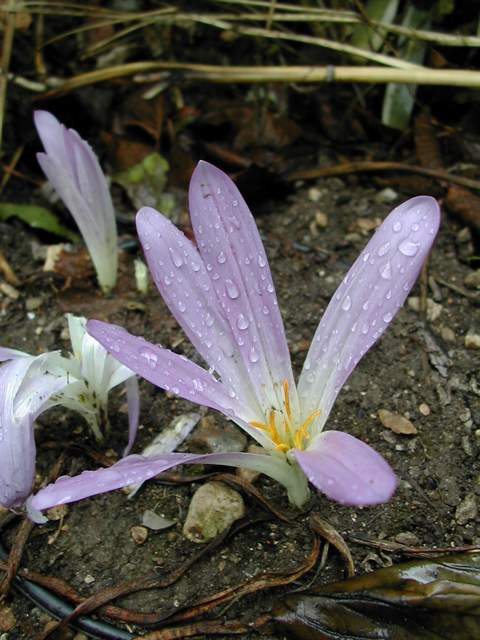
x: 75, y: 173
x: 31, y: 384
x: 221, y: 292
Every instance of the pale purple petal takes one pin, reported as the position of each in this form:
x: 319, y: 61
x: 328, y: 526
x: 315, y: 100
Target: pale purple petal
x: 136, y: 469
x: 347, y: 470
x: 233, y: 253
x: 73, y: 169
x: 183, y: 282
x: 133, y: 401
x: 17, y: 450
x: 11, y: 354
x: 165, y: 369
x: 367, y: 300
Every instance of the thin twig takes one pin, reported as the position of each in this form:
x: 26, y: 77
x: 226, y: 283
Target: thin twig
x: 364, y: 166
x: 263, y: 74
x: 8, y: 34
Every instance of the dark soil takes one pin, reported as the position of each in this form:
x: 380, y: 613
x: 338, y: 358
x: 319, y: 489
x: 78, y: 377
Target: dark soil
x: 417, y: 362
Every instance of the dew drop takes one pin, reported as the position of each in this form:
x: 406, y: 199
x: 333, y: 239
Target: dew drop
x: 247, y: 260
x: 408, y: 248
x: 366, y: 256
x: 415, y: 227
x: 270, y: 288
x: 307, y: 365
x: 240, y: 341
x: 354, y: 327
x: 232, y: 290
x: 209, y: 320
x: 167, y: 280
x: 383, y: 249
x: 347, y: 303
x: 253, y: 355
x: 365, y: 328
x: 176, y: 257
x: 261, y: 261
x: 195, y: 267
x: 242, y: 322
x: 397, y: 226
x: 388, y: 295
x: 150, y: 357
x: 265, y: 310
x: 221, y: 258
x: 406, y: 286
x: 387, y: 317
x: 234, y: 203
x: 181, y: 306
x: 366, y: 305
x: 386, y: 271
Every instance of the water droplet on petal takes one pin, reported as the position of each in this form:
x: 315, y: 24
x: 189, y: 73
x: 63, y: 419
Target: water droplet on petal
x: 232, y: 290
x: 167, y: 280
x: 383, y: 249
x: 261, y: 261
x: 387, y: 317
x: 366, y: 305
x: 253, y: 355
x: 408, y: 248
x: 176, y: 257
x: 242, y: 322
x: 234, y: 203
x: 347, y: 303
x: 397, y: 226
x: 150, y: 356
x: 265, y: 310
x: 365, y: 328
x: 209, y: 320
x: 270, y: 288
x: 221, y: 258
x: 181, y: 306
x: 386, y: 271
x: 415, y: 227
x: 388, y: 295
x: 366, y: 256
x: 195, y: 266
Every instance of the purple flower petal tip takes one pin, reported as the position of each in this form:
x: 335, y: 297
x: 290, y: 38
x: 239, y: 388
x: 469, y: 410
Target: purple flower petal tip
x: 347, y: 470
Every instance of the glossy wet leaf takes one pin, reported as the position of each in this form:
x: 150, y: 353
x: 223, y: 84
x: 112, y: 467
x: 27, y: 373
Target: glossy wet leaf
x: 37, y: 217
x: 420, y: 600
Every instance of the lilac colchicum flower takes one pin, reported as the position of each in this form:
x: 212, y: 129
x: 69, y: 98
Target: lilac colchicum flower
x: 75, y: 173
x: 222, y: 295
x: 31, y: 384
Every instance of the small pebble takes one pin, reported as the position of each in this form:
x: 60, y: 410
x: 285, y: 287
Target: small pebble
x: 7, y: 618
x: 447, y: 334
x: 472, y: 281
x: 396, y: 422
x: 424, y: 409
x: 9, y: 291
x: 472, y: 341
x: 386, y: 196
x: 467, y: 510
x: 139, y: 534
x: 314, y: 194
x: 433, y: 308
x: 89, y: 579
x: 407, y: 538
x: 321, y: 219
x: 31, y: 304
x: 213, y: 509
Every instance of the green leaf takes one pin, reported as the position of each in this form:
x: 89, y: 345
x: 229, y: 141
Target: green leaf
x: 37, y: 217
x: 427, y: 599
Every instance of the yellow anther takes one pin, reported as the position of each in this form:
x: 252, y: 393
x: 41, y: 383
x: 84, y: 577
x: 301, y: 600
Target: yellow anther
x: 282, y: 447
x: 286, y: 397
x: 259, y: 425
x: 302, y: 432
